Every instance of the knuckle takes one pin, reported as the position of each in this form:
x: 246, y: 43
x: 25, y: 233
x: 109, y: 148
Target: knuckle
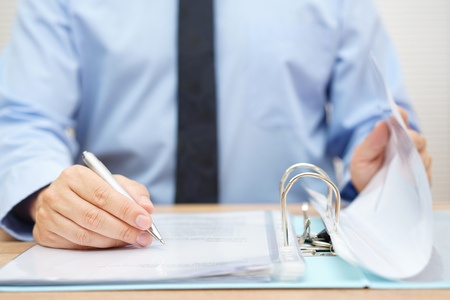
x: 43, y: 237
x: 72, y: 172
x: 82, y: 237
x: 37, y: 233
x: 101, y: 196
x: 120, y: 178
x: 125, y: 209
x: 49, y: 196
x: 41, y: 215
x: 133, y: 187
x: 66, y: 173
x: 125, y: 234
x: 142, y: 189
x: 117, y: 243
x: 93, y: 219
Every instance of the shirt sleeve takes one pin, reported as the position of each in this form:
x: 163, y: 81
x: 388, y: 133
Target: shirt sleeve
x: 355, y: 102
x: 39, y: 91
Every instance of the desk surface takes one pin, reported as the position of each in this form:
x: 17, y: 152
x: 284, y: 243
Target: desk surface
x: 10, y: 248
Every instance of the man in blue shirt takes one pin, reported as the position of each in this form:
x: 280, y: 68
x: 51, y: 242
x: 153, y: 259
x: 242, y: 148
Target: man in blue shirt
x: 293, y: 85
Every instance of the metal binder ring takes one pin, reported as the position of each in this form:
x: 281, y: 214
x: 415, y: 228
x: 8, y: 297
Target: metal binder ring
x: 305, y: 166
x: 332, y: 188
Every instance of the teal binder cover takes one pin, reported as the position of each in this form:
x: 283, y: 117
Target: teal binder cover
x: 321, y: 272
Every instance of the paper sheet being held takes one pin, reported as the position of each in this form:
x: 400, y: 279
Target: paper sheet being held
x: 387, y: 229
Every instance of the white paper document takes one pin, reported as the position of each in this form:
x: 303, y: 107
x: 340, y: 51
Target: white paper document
x: 387, y: 229
x: 243, y: 245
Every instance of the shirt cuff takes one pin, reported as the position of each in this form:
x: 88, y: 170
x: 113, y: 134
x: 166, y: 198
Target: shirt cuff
x: 349, y: 192
x: 17, y: 227
x: 18, y: 222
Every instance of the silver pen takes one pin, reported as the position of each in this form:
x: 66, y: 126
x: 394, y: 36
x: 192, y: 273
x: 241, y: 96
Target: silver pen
x: 98, y: 167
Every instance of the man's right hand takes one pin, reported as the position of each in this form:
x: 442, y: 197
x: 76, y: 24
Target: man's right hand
x: 79, y: 210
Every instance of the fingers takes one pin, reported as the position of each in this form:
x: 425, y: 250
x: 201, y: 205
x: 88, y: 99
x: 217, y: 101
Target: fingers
x: 137, y: 191
x: 92, y: 221
x: 419, y: 141
x: 368, y: 156
x: 421, y: 144
x: 375, y: 143
x: 80, y: 210
x: 87, y: 185
x: 404, y: 115
x: 61, y: 232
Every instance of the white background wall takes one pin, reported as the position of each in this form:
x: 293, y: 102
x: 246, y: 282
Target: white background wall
x: 421, y: 31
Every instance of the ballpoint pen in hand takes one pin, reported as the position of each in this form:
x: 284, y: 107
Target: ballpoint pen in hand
x: 98, y: 167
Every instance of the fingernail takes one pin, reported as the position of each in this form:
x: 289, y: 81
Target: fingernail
x: 143, y: 222
x: 144, y: 239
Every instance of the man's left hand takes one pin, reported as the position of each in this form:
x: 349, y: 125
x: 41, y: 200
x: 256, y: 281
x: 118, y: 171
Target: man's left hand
x: 368, y: 157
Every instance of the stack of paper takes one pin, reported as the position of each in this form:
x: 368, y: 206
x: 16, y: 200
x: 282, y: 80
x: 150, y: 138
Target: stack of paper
x: 239, y: 246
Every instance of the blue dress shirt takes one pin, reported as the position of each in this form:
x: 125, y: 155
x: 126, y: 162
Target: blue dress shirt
x: 293, y: 82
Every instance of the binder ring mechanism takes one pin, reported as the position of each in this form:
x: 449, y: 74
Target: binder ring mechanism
x: 311, y: 244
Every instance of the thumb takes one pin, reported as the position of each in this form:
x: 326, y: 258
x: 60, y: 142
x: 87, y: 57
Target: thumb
x: 369, y: 156
x: 375, y: 143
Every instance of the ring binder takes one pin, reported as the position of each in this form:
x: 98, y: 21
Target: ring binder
x: 399, y: 194
x: 317, y: 173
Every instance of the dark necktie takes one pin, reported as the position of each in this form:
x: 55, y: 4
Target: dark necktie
x: 196, y: 180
